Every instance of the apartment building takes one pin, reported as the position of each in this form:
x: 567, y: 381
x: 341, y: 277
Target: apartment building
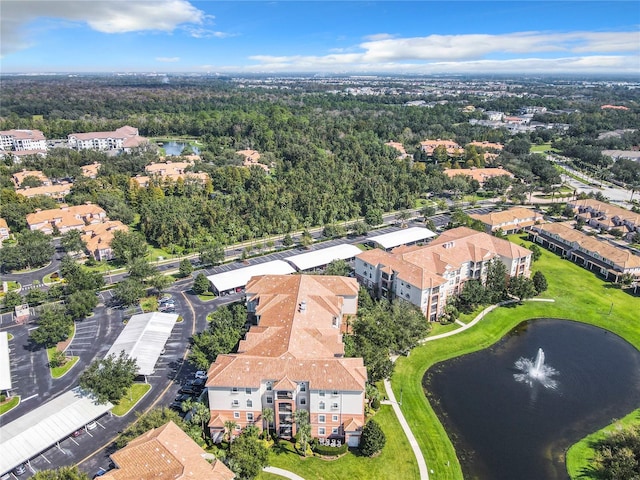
x: 169, y: 171
x: 66, y: 218
x: 91, y: 170
x: 251, y: 158
x: 98, y: 237
x: 57, y: 191
x: 124, y: 138
x: 606, y: 216
x: 21, y: 140
x: 292, y: 358
x: 487, y: 145
x: 19, y: 177
x: 452, y: 148
x: 479, y: 174
x: 427, y: 276
x: 509, y: 221
x: 166, y: 452
x: 400, y: 148
x: 599, y: 256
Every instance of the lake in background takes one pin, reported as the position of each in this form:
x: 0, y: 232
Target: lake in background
x: 503, y: 429
x: 175, y: 148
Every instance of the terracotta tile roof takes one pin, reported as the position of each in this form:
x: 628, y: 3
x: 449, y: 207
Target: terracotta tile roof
x: 3, y: 223
x: 452, y: 147
x: 19, y: 177
x: 398, y: 146
x: 479, y: 174
x: 165, y: 453
x: 490, y: 145
x: 624, y: 259
x: 517, y: 216
x: 352, y: 424
x: 57, y: 191
x: 474, y: 239
x: 100, y: 235
x: 68, y: 217
x: 168, y: 167
x: 91, y: 170
x: 122, y: 132
x: 251, y: 158
x: 24, y: 134
x: 607, y: 210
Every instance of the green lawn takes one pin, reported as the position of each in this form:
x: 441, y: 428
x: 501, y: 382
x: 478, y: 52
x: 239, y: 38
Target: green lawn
x: 396, y: 461
x: 149, y: 304
x: 437, y: 329
x: 61, y: 371
x: 581, y: 453
x: 8, y: 405
x: 579, y: 295
x: 49, y: 279
x: 542, y: 148
x: 128, y: 401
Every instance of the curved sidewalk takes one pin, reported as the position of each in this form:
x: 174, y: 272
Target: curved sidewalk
x: 282, y: 473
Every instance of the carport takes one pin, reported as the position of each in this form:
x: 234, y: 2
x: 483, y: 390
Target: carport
x: 405, y: 236
x: 5, y: 366
x: 143, y: 338
x: 230, y: 281
x: 45, y: 426
x: 323, y: 256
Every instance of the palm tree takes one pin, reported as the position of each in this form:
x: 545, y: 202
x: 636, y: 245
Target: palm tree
x: 267, y: 416
x: 229, y: 427
x: 303, y: 429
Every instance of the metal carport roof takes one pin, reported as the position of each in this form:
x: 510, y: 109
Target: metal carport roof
x: 5, y: 367
x: 143, y: 338
x: 43, y: 427
x: 402, y: 237
x: 240, y: 277
x: 323, y: 256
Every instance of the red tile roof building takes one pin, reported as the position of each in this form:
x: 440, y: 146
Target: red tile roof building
x: 427, y: 276
x: 479, y: 174
x: 452, y: 148
x: 98, y: 238
x: 124, y: 138
x: 66, y: 218
x: 20, y: 140
x: 293, y: 358
x: 509, y: 221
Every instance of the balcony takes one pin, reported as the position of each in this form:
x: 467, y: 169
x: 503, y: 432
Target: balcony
x: 285, y: 395
x: 284, y: 407
x: 285, y: 419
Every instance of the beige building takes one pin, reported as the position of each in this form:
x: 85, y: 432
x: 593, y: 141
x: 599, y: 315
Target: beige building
x: 606, y: 216
x: 66, y: 218
x: 19, y: 177
x: 23, y: 140
x: 91, y: 170
x: 453, y: 149
x: 4, y: 230
x: 428, y: 276
x: 166, y: 453
x: 98, y: 237
x: 293, y: 358
x: 599, y: 256
x: 251, y: 158
x: 124, y: 138
x: 57, y: 191
x: 169, y: 171
x: 479, y: 174
x: 509, y: 221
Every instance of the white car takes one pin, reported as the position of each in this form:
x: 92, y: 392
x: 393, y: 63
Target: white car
x: 91, y: 425
x: 200, y: 374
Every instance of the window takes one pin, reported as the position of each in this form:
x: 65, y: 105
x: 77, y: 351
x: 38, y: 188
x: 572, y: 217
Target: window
x: 303, y: 387
x: 321, y: 394
x: 269, y: 400
x: 321, y: 406
x: 334, y: 431
x: 321, y: 418
x: 234, y: 389
x: 238, y: 428
x: 249, y: 416
x: 247, y: 391
x: 334, y: 418
x: 269, y: 386
x: 321, y: 431
x: 335, y: 393
x: 334, y: 406
x: 303, y: 401
x: 249, y: 403
x: 235, y: 403
x: 236, y: 414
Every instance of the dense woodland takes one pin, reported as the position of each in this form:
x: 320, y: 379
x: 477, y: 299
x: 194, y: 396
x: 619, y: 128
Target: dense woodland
x: 330, y: 160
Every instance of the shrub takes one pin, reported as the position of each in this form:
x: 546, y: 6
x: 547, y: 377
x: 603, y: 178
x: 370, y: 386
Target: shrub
x: 373, y: 439
x: 328, y: 451
x: 375, y: 404
x: 3, y: 397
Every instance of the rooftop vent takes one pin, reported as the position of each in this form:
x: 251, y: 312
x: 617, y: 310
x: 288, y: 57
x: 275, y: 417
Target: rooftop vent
x: 303, y: 306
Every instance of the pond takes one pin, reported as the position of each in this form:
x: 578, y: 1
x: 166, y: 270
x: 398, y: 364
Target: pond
x: 175, y: 148
x: 503, y: 428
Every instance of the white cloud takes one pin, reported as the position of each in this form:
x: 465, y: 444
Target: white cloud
x: 167, y: 59
x: 512, y: 52
x: 106, y: 16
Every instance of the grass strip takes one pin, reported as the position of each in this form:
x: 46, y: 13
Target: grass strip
x: 134, y: 394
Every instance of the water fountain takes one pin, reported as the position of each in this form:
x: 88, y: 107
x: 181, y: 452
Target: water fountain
x: 535, y: 370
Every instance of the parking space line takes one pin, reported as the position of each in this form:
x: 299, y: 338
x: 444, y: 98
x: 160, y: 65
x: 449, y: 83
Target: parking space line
x: 71, y: 438
x: 42, y: 455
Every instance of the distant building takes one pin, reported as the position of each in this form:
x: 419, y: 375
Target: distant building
x: 124, y: 138
x: 91, y: 170
x: 4, y: 230
x: 488, y: 145
x: 166, y: 453
x: 479, y: 174
x: 21, y: 140
x: 98, y: 238
x: 614, y: 107
x: 452, y: 148
x: 606, y: 216
x: 19, y: 177
x: 292, y: 358
x: 66, y: 218
x: 428, y: 276
x: 400, y: 148
x: 57, y: 191
x: 169, y: 171
x: 252, y: 158
x: 509, y: 221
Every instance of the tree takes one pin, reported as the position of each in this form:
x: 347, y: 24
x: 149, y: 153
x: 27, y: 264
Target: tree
x: 159, y: 282
x: 473, y: 294
x: 72, y: 241
x: 359, y: 228
x: 373, y: 439
x: 78, y: 278
x: 427, y: 211
x: 496, y: 283
x: 247, y: 456
x: 536, y: 253
x: 141, y: 269
x: 617, y: 454
x: 338, y: 267
x: 58, y: 358
x: 128, y: 291
x: 267, y: 418
x: 80, y: 304
x: 303, y: 429
x: 109, y: 378
x: 62, y: 473
x: 211, y: 253
x: 373, y: 217
x: 402, y: 216
x: 229, y: 428
x: 287, y: 241
x: 12, y: 300
x: 521, y: 287
x: 201, y: 284
x: 53, y: 326
x: 539, y: 282
x: 152, y: 419
x: 128, y: 246
x: 35, y: 296
x: 306, y: 239
x: 185, y: 268
x: 33, y: 249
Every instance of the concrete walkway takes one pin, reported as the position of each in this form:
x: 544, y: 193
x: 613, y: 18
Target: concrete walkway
x: 282, y: 473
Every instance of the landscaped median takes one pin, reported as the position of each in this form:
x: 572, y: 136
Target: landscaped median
x: 9, y: 404
x: 134, y: 394
x: 579, y: 295
x: 59, y: 363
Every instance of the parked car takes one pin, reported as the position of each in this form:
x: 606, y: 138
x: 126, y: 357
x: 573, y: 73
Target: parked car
x: 77, y: 433
x: 188, y: 390
x: 200, y: 374
x: 20, y: 469
x: 101, y: 471
x: 91, y: 425
x: 197, y: 383
x: 176, y: 406
x: 183, y: 397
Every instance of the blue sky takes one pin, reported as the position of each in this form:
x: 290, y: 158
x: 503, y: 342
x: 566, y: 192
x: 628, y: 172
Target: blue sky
x: 318, y: 36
